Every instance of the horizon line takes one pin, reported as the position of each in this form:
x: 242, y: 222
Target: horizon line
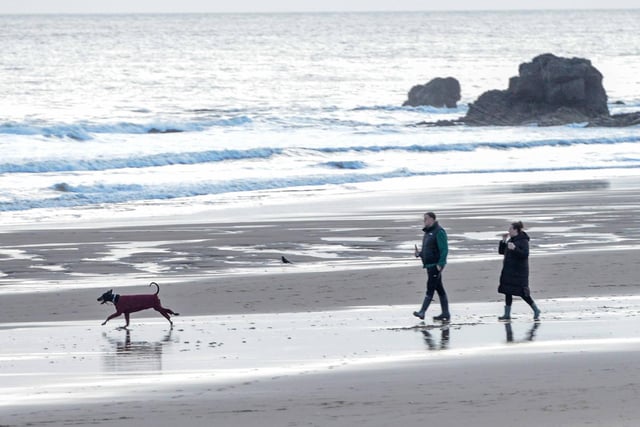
x: 240, y: 12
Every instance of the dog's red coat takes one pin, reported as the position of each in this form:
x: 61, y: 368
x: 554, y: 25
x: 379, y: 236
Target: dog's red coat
x: 126, y: 304
x: 133, y: 303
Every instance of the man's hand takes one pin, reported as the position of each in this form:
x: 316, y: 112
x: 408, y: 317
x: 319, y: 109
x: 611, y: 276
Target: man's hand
x: 511, y: 246
x: 416, y: 252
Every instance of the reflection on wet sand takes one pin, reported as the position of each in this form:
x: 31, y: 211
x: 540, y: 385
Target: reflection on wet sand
x: 562, y: 186
x: 126, y: 355
x: 431, y: 342
x: 530, y: 336
x: 82, y: 366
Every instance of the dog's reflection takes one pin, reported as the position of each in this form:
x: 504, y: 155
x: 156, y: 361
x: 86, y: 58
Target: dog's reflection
x: 432, y: 344
x: 127, y: 355
x: 530, y: 336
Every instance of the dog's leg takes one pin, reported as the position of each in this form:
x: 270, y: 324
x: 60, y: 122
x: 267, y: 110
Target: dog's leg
x: 164, y: 313
x: 126, y: 317
x: 158, y: 307
x: 171, y: 312
x: 116, y: 314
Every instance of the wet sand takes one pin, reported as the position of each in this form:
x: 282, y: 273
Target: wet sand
x: 329, y: 339
x: 368, y: 365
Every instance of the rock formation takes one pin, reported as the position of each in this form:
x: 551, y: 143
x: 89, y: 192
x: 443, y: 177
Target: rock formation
x: 439, y: 92
x: 549, y: 90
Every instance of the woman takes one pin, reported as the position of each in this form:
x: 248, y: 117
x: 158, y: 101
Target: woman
x: 514, y: 279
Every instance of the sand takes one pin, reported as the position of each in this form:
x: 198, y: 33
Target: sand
x: 329, y: 339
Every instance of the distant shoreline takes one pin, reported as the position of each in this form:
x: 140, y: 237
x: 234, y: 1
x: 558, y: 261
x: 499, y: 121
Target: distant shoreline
x: 320, y: 12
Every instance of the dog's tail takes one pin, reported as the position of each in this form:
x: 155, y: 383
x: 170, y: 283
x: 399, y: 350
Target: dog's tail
x: 157, y: 287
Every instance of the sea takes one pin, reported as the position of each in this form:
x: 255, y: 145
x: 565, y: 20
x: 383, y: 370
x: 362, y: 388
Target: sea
x: 105, y: 114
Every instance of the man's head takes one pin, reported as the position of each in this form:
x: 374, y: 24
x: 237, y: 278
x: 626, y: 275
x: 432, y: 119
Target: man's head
x: 429, y: 219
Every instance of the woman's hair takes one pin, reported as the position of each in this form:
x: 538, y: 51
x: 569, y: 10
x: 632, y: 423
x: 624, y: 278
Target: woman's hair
x: 518, y: 225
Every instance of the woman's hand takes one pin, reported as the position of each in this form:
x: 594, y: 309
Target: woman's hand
x: 511, y: 246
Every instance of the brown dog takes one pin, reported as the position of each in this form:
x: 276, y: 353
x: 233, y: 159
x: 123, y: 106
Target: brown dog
x: 127, y: 304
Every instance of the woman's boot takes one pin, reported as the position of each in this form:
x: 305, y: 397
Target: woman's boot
x: 536, y: 311
x: 507, y: 313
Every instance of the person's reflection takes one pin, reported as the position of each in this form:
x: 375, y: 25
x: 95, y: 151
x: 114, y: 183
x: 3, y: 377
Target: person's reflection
x: 431, y: 342
x: 530, y: 336
x: 128, y: 355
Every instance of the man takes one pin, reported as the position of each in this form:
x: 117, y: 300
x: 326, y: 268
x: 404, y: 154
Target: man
x: 434, y: 258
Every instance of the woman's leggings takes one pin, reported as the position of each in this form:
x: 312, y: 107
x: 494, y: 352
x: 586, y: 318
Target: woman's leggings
x: 509, y: 300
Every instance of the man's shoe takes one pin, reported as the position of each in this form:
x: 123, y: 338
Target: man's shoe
x: 443, y: 317
x: 419, y: 315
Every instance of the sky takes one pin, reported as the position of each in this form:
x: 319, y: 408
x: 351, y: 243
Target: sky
x: 225, y: 6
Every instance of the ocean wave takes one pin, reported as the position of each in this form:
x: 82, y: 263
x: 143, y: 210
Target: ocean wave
x: 344, y: 164
x: 473, y: 146
x: 155, y: 160
x: 460, y: 109
x: 84, y: 131
x: 87, y: 195
x: 624, y: 107
x: 199, y: 120
x: 212, y: 156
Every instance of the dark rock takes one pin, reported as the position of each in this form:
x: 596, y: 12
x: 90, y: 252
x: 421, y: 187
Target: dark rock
x: 62, y: 187
x: 617, y: 120
x: 548, y: 91
x: 439, y: 92
x: 156, y: 130
x: 441, y: 123
x: 492, y: 107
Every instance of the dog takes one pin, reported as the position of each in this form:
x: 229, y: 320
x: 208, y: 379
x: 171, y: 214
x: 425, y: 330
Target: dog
x: 127, y: 304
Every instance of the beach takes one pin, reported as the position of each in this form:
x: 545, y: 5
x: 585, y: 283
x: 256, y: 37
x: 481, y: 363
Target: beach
x: 264, y: 170
x: 329, y: 338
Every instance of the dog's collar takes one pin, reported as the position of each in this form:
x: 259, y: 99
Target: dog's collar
x: 116, y: 297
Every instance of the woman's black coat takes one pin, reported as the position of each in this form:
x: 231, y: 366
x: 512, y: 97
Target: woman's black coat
x: 514, y: 278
